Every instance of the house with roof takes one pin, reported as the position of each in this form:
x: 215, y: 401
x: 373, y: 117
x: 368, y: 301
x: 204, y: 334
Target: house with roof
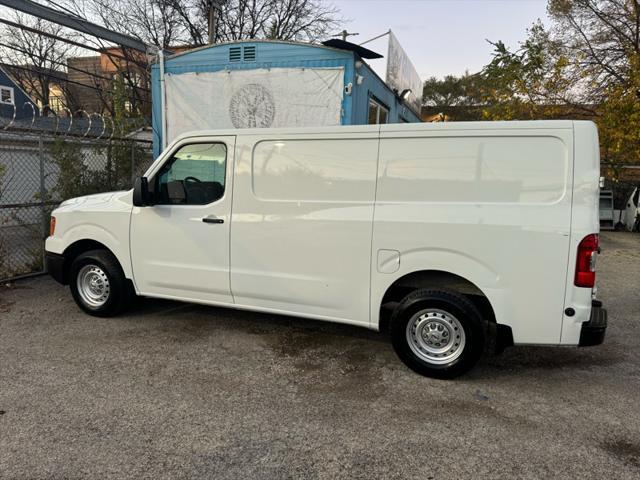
x: 15, y: 104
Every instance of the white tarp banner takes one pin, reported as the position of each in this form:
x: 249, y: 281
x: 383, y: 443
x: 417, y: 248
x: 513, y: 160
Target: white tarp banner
x: 401, y: 74
x: 277, y: 97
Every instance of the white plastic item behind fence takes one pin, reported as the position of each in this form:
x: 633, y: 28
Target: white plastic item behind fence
x: 278, y: 97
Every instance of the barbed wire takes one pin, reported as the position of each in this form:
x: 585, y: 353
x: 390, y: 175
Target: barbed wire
x: 80, y: 124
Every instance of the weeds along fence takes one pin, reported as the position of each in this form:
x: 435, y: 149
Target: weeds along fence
x: 38, y: 171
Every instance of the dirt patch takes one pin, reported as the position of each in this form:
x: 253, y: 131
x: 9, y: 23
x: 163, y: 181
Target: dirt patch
x: 5, y: 304
x: 329, y: 361
x: 628, y: 452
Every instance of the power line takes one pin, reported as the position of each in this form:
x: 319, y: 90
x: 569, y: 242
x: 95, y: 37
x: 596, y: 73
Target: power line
x: 62, y: 7
x: 63, y: 64
x: 71, y: 42
x: 78, y: 17
x: 66, y: 65
x: 75, y: 23
x: 113, y: 56
x: 62, y: 79
x: 66, y: 40
x: 47, y: 34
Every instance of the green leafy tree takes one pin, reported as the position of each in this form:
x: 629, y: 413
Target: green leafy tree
x: 454, y: 98
x: 601, y: 37
x: 74, y: 177
x: 452, y: 91
x: 585, y: 65
x: 72, y: 172
x: 531, y: 81
x: 619, y: 120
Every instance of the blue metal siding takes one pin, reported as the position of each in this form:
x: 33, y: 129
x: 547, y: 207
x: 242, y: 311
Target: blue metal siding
x: 373, y: 86
x: 19, y: 98
x: 282, y: 55
x: 268, y: 55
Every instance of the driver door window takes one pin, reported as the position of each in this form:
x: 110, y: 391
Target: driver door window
x: 195, y: 175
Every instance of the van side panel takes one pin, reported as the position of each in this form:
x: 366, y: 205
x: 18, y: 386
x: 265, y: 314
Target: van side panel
x: 584, y: 221
x: 488, y: 204
x: 302, y: 224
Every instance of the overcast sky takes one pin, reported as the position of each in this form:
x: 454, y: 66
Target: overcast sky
x: 441, y: 36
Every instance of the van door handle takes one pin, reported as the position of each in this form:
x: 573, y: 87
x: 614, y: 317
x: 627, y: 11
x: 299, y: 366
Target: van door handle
x: 212, y: 219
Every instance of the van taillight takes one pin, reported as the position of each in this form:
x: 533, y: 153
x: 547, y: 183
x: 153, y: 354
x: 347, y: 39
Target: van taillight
x: 586, y: 262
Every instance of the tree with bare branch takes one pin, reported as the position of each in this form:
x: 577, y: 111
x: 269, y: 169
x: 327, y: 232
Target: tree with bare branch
x: 172, y: 23
x: 169, y: 23
x: 35, y: 61
x: 586, y: 64
x: 602, y: 37
x: 155, y: 22
x: 295, y: 20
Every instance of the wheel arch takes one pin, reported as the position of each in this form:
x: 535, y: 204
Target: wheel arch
x: 445, y: 280
x: 439, y: 279
x: 72, y: 251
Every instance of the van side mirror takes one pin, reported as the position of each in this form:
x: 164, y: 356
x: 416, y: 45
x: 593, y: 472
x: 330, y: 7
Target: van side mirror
x: 141, y: 192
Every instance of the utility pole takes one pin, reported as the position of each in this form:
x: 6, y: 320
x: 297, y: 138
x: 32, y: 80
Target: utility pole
x: 215, y: 8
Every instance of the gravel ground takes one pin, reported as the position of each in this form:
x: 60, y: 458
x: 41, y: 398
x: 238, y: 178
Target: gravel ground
x: 182, y: 391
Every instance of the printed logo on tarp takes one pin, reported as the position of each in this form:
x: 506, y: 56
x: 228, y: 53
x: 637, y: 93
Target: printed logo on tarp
x: 251, y: 106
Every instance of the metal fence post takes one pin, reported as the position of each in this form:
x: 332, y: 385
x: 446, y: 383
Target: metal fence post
x: 43, y: 197
x: 133, y: 163
x: 31, y: 167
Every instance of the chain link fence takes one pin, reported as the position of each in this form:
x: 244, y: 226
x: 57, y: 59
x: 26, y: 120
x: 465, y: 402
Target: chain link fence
x: 622, y: 188
x: 38, y: 171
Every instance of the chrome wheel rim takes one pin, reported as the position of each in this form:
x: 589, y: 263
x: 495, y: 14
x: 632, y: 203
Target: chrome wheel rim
x: 435, y: 336
x: 93, y: 286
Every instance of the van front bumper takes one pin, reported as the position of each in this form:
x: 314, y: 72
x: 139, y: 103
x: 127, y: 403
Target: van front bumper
x: 54, y: 264
x: 593, y: 331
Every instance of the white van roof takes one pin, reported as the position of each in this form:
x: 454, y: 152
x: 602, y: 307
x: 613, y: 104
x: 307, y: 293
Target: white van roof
x: 393, y: 127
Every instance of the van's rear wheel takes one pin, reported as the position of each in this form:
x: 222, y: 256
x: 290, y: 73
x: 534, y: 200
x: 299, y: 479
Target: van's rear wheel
x: 438, y: 333
x: 98, y: 284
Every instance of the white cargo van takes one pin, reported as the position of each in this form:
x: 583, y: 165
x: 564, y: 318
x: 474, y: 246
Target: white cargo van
x: 456, y: 236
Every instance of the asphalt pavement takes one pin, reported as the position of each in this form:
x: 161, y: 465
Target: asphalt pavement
x: 172, y: 390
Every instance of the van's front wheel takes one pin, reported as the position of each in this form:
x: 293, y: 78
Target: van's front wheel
x: 438, y: 333
x: 98, y: 284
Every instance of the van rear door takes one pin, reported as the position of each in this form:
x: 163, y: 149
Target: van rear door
x: 584, y: 224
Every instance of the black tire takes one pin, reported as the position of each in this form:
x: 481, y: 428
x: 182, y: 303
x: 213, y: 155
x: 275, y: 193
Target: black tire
x: 450, y: 310
x: 119, y: 291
